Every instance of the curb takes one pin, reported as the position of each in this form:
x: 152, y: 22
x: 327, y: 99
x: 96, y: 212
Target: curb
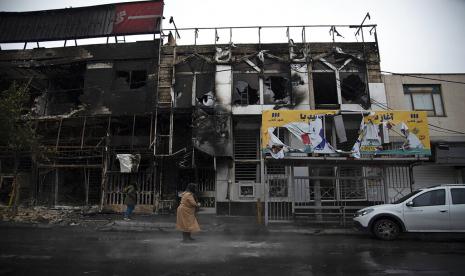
x: 224, y: 228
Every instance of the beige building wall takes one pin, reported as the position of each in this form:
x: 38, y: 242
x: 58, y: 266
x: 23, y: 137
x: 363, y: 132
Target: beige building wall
x: 453, y: 97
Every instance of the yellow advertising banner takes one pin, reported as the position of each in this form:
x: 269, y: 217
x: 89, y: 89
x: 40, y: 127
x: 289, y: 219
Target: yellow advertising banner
x: 411, y: 126
x: 280, y: 118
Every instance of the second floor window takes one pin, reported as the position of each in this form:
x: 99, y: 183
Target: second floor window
x: 425, y: 97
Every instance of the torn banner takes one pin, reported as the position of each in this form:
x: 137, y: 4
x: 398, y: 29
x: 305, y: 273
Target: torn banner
x: 375, y: 131
x: 411, y: 126
x: 306, y: 126
x: 128, y: 163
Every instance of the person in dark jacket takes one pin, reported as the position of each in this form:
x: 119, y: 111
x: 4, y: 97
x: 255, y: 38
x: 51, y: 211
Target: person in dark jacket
x: 130, y: 200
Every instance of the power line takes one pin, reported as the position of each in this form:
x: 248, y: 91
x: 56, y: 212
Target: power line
x: 420, y: 77
x: 385, y: 107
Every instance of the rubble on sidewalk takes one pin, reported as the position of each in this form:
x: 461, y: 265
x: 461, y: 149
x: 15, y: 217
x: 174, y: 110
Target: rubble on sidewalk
x: 60, y: 215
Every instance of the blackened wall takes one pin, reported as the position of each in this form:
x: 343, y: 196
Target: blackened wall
x: 119, y: 79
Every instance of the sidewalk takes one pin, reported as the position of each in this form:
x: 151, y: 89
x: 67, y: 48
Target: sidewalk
x: 209, y: 223
x: 225, y: 224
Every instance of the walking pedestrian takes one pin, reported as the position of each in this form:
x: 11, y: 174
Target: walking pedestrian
x: 130, y: 200
x: 185, y: 215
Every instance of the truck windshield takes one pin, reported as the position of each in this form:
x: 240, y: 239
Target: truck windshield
x: 402, y: 199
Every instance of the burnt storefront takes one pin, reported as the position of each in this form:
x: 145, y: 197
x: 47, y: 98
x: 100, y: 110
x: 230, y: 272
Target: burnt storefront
x: 163, y: 115
x: 87, y: 105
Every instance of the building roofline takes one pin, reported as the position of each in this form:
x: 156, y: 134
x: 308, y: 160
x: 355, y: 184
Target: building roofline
x: 404, y: 74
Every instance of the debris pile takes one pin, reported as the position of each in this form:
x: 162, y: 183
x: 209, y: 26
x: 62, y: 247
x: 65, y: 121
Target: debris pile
x: 62, y: 216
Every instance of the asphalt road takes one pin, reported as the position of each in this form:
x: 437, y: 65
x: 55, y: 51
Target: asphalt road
x: 83, y: 251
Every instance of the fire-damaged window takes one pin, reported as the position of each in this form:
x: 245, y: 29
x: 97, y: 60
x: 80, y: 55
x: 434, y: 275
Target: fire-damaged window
x: 58, y: 89
x: 324, y: 87
x: 276, y: 84
x: 354, y: 87
x: 194, y: 74
x: 340, y: 78
x: 246, y: 90
x: 205, y: 89
x: 135, y: 79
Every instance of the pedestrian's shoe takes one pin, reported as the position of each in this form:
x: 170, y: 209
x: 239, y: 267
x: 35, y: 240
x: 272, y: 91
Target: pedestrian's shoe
x: 127, y: 219
x: 186, y: 237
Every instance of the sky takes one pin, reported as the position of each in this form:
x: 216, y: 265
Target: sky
x: 415, y: 36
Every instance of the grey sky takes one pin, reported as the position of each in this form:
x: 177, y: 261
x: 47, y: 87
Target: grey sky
x: 415, y: 36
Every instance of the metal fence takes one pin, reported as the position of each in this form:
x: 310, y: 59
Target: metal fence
x: 334, y: 193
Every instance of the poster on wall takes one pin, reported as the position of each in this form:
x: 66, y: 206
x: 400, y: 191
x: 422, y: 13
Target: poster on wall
x: 376, y: 128
x: 307, y: 126
x: 375, y: 133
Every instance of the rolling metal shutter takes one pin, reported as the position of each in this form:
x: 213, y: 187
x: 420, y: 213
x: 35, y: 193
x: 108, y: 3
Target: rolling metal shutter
x: 427, y: 176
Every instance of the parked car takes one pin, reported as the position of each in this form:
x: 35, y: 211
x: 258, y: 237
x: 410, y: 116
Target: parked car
x: 435, y: 209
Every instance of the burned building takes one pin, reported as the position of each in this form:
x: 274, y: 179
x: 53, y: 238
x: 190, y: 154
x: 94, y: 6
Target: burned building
x: 291, y: 124
x: 88, y: 104
x: 225, y: 91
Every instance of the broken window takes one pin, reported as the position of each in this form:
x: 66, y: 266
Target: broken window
x: 135, y: 79
x: 183, y: 91
x: 340, y: 78
x: 276, y: 84
x: 211, y: 132
x: 246, y: 90
x: 325, y: 90
x: 299, y: 84
x: 205, y: 89
x: 194, y: 73
x: 354, y: 88
x: 276, y: 89
x: 61, y: 88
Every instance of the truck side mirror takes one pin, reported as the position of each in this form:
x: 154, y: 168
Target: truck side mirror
x: 410, y: 204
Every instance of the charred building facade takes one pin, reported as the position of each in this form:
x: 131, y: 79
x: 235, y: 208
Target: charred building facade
x: 221, y: 91
x: 225, y: 116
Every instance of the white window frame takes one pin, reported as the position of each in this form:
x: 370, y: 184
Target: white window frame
x: 408, y: 93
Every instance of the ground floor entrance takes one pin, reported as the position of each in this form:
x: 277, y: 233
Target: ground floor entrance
x: 331, y: 193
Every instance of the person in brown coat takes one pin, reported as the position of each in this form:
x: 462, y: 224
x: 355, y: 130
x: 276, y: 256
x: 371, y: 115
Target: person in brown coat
x: 185, y: 216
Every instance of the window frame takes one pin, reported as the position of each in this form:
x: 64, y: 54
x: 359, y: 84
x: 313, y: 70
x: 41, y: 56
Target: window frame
x: 346, y: 67
x: 452, y: 196
x: 437, y: 91
x: 427, y: 192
